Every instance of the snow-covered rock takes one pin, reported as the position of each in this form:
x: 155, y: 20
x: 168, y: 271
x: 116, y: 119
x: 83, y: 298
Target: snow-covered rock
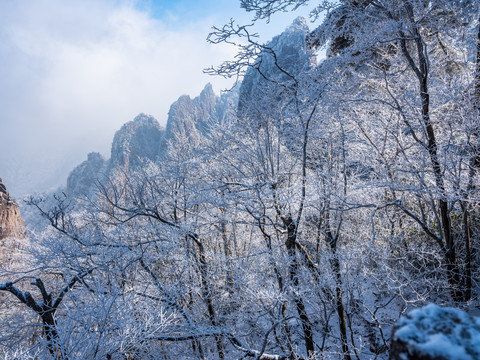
x: 285, y: 53
x: 136, y: 141
x: 435, y: 333
x: 82, y: 179
x: 193, y: 118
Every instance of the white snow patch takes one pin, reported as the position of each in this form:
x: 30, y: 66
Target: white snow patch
x: 445, y: 332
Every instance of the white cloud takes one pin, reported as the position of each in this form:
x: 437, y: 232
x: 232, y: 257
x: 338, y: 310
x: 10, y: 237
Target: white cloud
x: 75, y: 73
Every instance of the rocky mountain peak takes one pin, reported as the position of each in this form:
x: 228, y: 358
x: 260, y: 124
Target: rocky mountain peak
x: 286, y: 53
x: 207, y: 93
x: 136, y: 140
x: 191, y: 118
x: 145, y: 120
x: 144, y: 139
x: 83, y: 177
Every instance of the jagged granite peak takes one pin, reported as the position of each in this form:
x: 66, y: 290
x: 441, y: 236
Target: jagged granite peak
x: 136, y: 141
x: 226, y: 105
x: 11, y: 223
x: 291, y: 48
x: 192, y: 118
x: 292, y: 56
x: 206, y: 108
x: 82, y: 179
x: 182, y: 120
x: 144, y: 139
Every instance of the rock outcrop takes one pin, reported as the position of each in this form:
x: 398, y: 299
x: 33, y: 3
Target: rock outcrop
x: 435, y: 333
x: 11, y: 223
x: 258, y: 92
x: 135, y: 142
x: 193, y: 118
x: 82, y: 179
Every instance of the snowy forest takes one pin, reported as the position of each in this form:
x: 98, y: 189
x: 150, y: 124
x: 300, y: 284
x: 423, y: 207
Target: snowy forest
x: 299, y: 215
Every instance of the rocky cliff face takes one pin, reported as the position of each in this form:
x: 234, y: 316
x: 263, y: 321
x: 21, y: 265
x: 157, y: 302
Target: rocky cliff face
x: 273, y: 89
x: 258, y: 92
x: 83, y: 177
x: 11, y: 223
x: 136, y: 141
x: 193, y: 118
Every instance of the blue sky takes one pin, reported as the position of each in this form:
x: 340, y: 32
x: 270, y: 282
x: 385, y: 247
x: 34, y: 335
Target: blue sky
x: 73, y: 72
x: 188, y: 10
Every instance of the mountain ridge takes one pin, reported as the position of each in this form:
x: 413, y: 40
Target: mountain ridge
x: 144, y: 139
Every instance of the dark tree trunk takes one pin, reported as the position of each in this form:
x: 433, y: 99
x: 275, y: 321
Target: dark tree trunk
x: 421, y: 71
x: 280, y: 282
x: 228, y: 254
x: 50, y: 332
x: 335, y: 264
x: 293, y: 271
x: 206, y: 292
x: 468, y: 252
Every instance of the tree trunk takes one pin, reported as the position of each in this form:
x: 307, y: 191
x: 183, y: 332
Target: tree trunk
x: 51, y: 334
x: 422, y: 71
x: 468, y: 253
x: 335, y: 264
x: 293, y: 271
x: 206, y: 292
x: 228, y: 255
x: 280, y: 282
x: 474, y: 165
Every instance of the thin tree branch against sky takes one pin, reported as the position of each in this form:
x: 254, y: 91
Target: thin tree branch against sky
x: 74, y: 72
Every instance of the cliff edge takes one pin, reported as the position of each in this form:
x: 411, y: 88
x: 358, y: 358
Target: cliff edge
x: 11, y: 223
